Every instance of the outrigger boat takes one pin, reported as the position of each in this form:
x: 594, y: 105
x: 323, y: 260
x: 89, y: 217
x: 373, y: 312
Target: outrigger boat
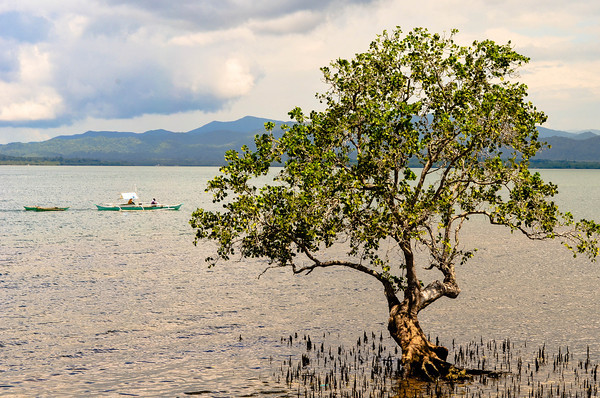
x: 40, y: 208
x: 132, y: 205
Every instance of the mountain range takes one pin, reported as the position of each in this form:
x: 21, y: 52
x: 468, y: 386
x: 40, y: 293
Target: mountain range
x: 206, y: 146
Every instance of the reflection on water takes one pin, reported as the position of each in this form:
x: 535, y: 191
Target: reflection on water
x: 106, y: 303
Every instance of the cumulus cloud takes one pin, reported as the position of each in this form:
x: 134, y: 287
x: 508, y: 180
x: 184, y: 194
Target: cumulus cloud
x: 124, y: 59
x: 66, y: 62
x: 30, y: 96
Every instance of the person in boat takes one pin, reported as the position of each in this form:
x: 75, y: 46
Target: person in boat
x: 154, y: 202
x: 130, y: 202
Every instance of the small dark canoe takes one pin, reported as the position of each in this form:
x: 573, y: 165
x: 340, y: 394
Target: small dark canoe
x: 40, y: 208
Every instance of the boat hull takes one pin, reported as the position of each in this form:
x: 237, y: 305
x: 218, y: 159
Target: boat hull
x: 138, y: 207
x: 39, y: 208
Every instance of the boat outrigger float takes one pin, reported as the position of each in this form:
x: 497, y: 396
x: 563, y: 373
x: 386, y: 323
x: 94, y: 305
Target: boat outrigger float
x: 132, y: 205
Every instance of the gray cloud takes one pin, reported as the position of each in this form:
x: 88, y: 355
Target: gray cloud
x: 9, y: 63
x: 23, y: 27
x: 129, y: 92
x: 223, y: 14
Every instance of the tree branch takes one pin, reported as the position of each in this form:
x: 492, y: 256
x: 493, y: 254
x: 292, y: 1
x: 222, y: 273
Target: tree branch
x: 437, y: 289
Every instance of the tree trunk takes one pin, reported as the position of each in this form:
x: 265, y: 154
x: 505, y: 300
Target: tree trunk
x: 420, y: 357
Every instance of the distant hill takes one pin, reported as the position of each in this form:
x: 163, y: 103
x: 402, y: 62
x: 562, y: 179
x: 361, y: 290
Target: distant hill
x: 206, y: 146
x: 582, y: 135
x: 563, y: 148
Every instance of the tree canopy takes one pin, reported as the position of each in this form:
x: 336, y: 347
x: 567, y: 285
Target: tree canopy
x: 418, y: 135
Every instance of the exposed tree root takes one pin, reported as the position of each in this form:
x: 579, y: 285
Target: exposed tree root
x: 430, y: 371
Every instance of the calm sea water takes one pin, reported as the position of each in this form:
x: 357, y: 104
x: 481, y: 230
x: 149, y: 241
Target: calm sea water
x: 116, y: 303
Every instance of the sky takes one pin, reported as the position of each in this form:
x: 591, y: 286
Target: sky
x: 69, y: 66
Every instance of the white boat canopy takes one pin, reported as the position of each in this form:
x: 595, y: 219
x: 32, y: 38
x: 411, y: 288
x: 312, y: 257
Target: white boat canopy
x: 129, y: 195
